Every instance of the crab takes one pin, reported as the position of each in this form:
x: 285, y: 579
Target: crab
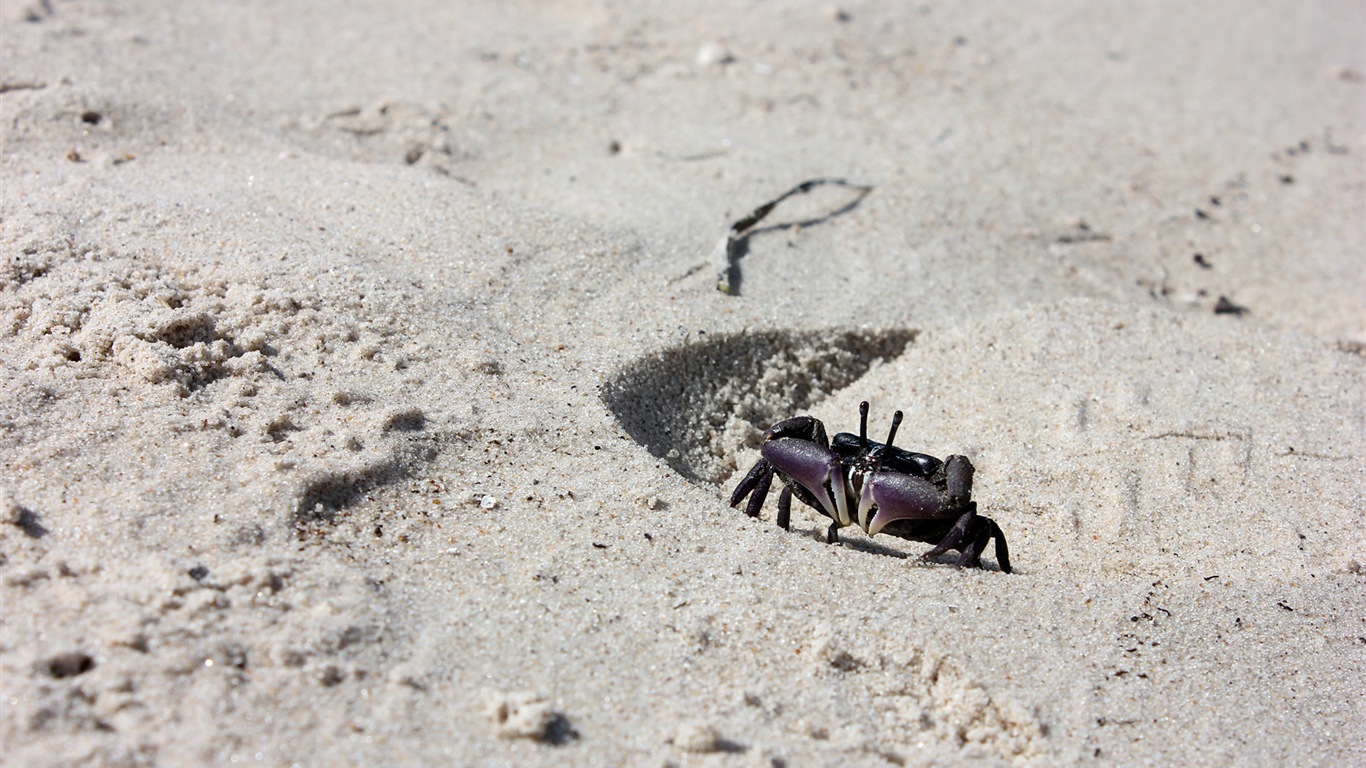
x: 877, y: 486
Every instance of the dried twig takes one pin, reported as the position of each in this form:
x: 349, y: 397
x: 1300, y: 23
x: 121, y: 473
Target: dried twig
x: 732, y: 246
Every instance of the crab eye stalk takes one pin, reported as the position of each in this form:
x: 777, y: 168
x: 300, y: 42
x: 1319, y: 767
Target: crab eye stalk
x: 896, y: 422
x: 863, y: 424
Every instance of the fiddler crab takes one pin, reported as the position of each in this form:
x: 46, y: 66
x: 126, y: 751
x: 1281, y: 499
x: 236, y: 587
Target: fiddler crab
x: 879, y: 487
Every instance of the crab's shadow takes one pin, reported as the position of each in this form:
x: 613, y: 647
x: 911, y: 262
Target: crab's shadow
x: 868, y: 546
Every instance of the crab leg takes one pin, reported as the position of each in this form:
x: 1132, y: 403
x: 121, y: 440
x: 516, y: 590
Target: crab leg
x: 1002, y: 551
x: 756, y: 502
x: 954, y: 538
x: 972, y: 554
x: 750, y: 481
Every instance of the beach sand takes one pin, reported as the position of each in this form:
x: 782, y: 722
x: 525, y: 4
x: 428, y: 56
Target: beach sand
x: 368, y: 398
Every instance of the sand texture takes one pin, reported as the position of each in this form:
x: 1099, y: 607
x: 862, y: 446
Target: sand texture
x: 367, y: 396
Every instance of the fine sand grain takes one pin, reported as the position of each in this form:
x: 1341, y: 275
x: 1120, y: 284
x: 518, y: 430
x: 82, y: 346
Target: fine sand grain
x: 367, y: 398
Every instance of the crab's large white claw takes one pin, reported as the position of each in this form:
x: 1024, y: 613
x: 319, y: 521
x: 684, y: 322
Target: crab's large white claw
x: 815, y: 468
x: 899, y: 497
x: 836, y: 484
x: 865, y: 504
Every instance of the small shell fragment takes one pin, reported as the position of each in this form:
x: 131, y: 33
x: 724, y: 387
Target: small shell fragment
x: 697, y: 737
x: 520, y: 715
